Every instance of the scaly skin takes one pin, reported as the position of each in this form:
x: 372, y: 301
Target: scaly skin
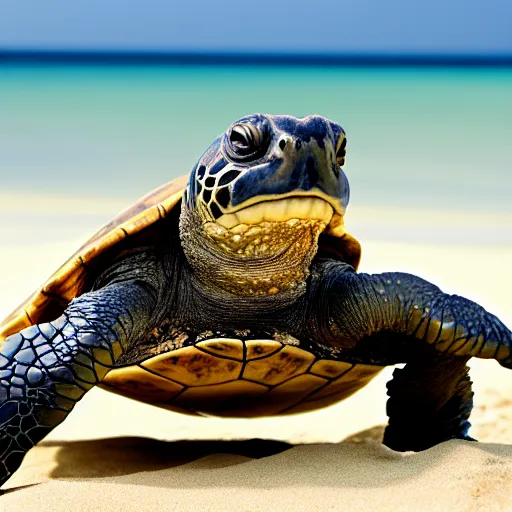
x: 406, y: 304
x: 45, y: 369
x: 430, y: 399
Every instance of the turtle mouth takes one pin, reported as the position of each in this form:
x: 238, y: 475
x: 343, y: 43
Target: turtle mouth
x: 262, y: 248
x: 300, y: 207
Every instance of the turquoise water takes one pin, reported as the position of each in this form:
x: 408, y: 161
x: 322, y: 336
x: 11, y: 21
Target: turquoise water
x: 437, y: 139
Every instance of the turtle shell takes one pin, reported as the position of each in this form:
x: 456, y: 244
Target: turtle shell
x: 70, y: 280
x: 239, y: 378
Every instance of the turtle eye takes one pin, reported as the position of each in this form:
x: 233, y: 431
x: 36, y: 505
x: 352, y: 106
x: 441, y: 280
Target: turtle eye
x: 246, y: 141
x: 241, y: 138
x: 342, y: 151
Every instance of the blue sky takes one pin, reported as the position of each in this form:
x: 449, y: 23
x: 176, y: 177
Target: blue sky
x: 376, y: 26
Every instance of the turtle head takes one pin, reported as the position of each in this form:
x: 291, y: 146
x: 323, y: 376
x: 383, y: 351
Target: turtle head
x: 262, y: 167
x: 259, y: 198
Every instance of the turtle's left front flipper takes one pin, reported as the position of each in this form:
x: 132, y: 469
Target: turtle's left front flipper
x: 432, y: 332
x: 45, y: 369
x: 363, y: 305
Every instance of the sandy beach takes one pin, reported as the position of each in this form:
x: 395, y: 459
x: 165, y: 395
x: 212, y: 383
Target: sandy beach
x: 116, y: 454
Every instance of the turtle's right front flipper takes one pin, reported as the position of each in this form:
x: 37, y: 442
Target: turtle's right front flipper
x: 45, y: 369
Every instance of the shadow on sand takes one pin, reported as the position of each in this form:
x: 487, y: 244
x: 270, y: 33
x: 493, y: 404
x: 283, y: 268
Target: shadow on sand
x: 360, y: 461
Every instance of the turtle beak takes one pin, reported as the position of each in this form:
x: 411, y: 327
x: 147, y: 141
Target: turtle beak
x: 293, y: 206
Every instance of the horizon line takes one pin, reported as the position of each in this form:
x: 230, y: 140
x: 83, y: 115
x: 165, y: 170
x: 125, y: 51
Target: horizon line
x: 249, y: 58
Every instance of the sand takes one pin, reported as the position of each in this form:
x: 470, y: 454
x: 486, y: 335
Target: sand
x: 116, y: 454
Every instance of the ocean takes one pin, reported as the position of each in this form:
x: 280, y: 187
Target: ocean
x: 423, y: 139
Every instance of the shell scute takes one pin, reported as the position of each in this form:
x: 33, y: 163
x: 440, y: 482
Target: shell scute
x: 192, y: 367
x: 143, y: 384
x: 348, y: 382
x: 229, y: 399
x: 330, y: 369
x: 281, y: 366
x: 261, y: 348
x: 225, y: 347
x: 289, y: 393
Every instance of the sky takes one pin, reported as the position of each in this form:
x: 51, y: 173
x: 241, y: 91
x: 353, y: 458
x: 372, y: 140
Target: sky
x: 352, y: 26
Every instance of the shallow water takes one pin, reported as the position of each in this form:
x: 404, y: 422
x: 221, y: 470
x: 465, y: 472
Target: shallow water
x: 427, y: 139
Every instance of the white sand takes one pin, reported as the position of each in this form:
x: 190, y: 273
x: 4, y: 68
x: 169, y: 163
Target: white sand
x: 114, y: 454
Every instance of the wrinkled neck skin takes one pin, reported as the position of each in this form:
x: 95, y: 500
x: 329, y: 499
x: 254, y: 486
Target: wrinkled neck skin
x: 265, y: 259
x: 208, y: 307
x: 242, y: 277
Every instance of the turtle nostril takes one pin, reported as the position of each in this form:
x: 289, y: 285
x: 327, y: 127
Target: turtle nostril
x: 282, y: 144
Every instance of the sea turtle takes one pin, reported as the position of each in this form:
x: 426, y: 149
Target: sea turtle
x: 235, y: 292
